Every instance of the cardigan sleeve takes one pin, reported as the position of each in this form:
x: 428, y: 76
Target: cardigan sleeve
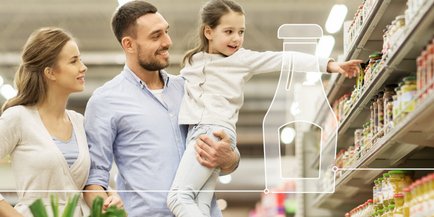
x: 10, y: 133
x: 271, y: 61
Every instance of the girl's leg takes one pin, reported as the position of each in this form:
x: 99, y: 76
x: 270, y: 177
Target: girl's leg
x: 206, y: 194
x: 189, y: 180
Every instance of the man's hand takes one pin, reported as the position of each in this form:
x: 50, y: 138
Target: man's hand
x: 348, y: 69
x: 110, y: 198
x: 219, y: 154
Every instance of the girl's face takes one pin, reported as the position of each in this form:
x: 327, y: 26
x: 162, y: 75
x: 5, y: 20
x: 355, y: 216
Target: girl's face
x: 227, y: 37
x: 69, y: 71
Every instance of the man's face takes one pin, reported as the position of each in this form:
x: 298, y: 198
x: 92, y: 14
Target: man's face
x: 153, y: 42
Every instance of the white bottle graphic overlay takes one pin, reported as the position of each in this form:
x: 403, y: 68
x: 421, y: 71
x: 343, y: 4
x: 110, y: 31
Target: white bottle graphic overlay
x: 290, y: 136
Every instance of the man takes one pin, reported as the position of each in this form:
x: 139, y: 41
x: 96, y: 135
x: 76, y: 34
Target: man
x: 133, y: 119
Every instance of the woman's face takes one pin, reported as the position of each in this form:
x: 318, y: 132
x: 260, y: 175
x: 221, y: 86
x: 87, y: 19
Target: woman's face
x: 69, y: 70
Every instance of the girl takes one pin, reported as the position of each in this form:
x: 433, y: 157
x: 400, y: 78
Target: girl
x: 215, y: 73
x: 46, y: 142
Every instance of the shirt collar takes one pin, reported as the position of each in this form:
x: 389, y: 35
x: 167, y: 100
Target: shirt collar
x: 132, y: 77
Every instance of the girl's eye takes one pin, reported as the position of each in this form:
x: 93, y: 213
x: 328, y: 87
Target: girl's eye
x: 229, y: 31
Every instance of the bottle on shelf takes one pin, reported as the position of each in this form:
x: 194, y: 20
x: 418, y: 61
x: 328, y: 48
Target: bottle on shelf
x: 399, y: 205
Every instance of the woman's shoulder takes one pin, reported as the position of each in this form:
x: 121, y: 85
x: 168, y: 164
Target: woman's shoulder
x: 17, y: 110
x: 18, y: 114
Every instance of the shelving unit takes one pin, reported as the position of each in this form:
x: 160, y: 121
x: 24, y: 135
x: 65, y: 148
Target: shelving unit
x: 410, y: 144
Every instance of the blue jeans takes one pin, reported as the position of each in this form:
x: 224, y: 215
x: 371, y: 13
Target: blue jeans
x: 193, y: 187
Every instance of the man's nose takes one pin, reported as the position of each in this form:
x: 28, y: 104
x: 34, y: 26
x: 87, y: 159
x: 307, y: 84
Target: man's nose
x: 167, y: 41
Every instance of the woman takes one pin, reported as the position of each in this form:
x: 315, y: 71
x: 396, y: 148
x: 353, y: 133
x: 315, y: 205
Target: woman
x: 46, y: 142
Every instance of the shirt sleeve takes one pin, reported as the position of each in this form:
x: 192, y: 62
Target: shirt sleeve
x: 271, y: 61
x: 100, y: 132
x: 10, y: 132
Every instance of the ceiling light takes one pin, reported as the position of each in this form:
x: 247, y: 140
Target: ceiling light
x: 222, y: 204
x: 8, y: 91
x: 295, y: 108
x: 122, y: 2
x: 287, y: 135
x: 225, y: 179
x: 325, y: 46
x: 336, y: 18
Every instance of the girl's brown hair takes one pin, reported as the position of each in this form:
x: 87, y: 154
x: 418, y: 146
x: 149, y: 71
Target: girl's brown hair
x: 40, y: 51
x: 210, y: 16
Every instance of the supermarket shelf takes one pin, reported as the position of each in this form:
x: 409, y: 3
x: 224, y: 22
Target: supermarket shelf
x: 400, y: 146
x: 410, y: 135
x: 412, y: 42
x: 369, y: 39
x: 397, y: 66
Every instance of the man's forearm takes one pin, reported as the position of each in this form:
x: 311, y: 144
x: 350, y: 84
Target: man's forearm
x: 93, y: 191
x: 6, y: 210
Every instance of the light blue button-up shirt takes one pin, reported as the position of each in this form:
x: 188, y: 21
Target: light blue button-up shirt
x: 124, y: 121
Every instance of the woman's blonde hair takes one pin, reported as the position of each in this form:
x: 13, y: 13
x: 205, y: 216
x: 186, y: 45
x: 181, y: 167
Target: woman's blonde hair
x: 210, y: 16
x: 40, y: 51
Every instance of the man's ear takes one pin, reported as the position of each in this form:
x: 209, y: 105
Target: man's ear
x: 207, y: 31
x: 49, y: 73
x: 128, y: 44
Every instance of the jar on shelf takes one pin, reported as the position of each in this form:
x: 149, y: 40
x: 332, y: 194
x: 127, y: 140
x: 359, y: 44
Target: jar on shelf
x: 389, y: 212
x: 376, y: 190
x: 430, y: 68
x: 389, y: 92
x: 374, y: 112
x: 425, y: 203
x: 374, y: 59
x: 420, y: 78
x: 387, y: 199
x: 424, y: 82
x: 380, y: 196
x: 415, y: 198
x: 407, y: 201
x: 397, y: 179
x: 397, y: 104
x: 397, y: 26
x: 399, y: 205
x: 408, y: 94
x: 380, y: 114
x: 358, y: 136
x: 367, y: 136
x: 431, y: 192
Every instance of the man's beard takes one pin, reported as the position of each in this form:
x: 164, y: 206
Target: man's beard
x: 152, y: 64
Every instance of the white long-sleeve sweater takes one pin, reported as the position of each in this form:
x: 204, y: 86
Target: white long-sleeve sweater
x: 37, y: 163
x: 214, y: 83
